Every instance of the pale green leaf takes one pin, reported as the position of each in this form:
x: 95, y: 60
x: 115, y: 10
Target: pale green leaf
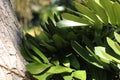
x: 114, y: 45
x: 111, y: 57
x: 117, y: 36
x: 79, y: 74
x: 68, y: 77
x: 53, y: 70
x: 36, y: 68
x: 59, y: 69
x: 69, y: 23
x: 98, y: 52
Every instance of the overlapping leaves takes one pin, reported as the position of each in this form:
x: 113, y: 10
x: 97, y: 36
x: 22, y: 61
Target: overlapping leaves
x: 101, y: 56
x: 50, y: 54
x: 95, y: 12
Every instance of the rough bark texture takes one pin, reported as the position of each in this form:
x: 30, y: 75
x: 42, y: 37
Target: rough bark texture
x: 11, y: 62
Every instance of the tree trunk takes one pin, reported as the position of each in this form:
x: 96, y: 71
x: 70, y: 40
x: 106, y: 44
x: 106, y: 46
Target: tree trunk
x: 11, y: 62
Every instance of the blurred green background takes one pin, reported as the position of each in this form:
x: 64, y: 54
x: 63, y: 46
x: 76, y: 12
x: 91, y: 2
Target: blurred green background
x: 32, y: 12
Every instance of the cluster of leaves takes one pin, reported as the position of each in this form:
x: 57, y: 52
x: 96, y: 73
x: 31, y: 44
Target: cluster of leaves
x: 105, y: 57
x: 51, y: 55
x: 102, y: 16
x: 82, y: 30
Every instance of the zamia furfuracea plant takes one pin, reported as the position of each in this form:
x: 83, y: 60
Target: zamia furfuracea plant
x: 50, y: 55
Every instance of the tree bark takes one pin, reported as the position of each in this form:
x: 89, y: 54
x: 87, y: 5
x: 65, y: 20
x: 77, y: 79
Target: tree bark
x: 11, y: 62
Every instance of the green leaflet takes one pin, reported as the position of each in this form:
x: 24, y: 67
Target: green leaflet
x: 36, y: 68
x: 76, y: 18
x: 44, y: 36
x: 116, y: 10
x: 114, y: 45
x: 33, y: 57
x: 88, y: 42
x: 43, y: 76
x: 69, y: 23
x: 39, y: 53
x: 111, y: 57
x: 59, y: 41
x: 24, y: 54
x: 85, y: 54
x: 68, y: 77
x: 79, y: 74
x: 99, y: 52
x: 59, y: 69
x: 106, y: 56
x: 53, y: 70
x: 48, y: 46
x: 117, y: 37
x: 74, y: 61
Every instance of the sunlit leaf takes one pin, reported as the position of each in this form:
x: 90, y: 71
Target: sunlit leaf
x: 67, y: 77
x: 117, y: 36
x: 53, y: 70
x: 36, y: 68
x: 98, y: 52
x: 59, y: 69
x: 69, y: 23
x: 79, y: 74
x: 114, y: 45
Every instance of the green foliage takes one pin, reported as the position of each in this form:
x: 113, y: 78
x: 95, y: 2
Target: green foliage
x: 90, y: 30
x: 100, y: 56
x: 50, y: 54
x: 94, y: 14
x: 101, y: 19
x: 101, y: 15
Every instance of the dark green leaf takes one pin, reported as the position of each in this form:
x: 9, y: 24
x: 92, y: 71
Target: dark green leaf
x: 84, y: 54
x: 74, y: 61
x: 39, y: 53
